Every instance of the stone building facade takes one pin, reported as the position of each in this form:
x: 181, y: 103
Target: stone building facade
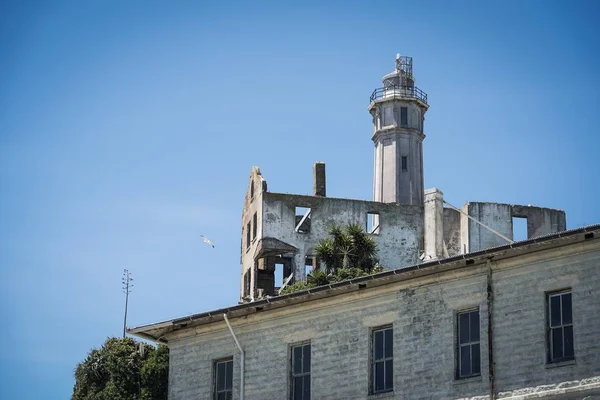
x: 409, y: 224
x: 508, y: 287
x: 461, y: 310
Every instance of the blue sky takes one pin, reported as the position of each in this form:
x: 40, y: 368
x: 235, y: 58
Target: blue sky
x: 127, y: 129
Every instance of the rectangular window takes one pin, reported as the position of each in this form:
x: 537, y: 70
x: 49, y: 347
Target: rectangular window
x: 300, y: 372
x: 403, y: 116
x: 254, y: 225
x: 560, y: 327
x: 223, y: 379
x: 302, y: 220
x: 373, y: 223
x: 247, y: 235
x: 382, y: 360
x: 468, y: 351
x: 404, y: 163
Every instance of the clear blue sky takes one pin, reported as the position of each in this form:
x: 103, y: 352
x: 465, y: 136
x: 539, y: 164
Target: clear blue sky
x: 127, y: 129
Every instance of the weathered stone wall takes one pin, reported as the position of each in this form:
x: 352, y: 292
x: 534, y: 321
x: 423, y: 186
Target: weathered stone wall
x: 400, y: 232
x: 423, y: 314
x: 540, y: 221
x: 452, y: 232
x: 257, y: 186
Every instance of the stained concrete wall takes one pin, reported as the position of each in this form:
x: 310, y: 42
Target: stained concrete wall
x: 423, y: 315
x: 452, y: 232
x: 540, y: 221
x: 399, y: 240
x: 434, y: 224
x: 253, y: 201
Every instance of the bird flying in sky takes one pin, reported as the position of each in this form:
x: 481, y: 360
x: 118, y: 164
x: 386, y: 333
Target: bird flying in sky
x: 207, y: 241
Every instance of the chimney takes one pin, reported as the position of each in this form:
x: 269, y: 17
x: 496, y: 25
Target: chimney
x: 319, y: 179
x: 434, y: 224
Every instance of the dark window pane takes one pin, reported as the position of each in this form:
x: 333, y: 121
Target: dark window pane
x: 474, y: 326
x: 378, y: 345
x: 389, y: 374
x: 463, y: 328
x: 403, y: 116
x: 229, y: 375
x: 475, y: 357
x: 567, y: 314
x: 557, y: 343
x: 306, y: 391
x: 298, y: 388
x: 465, y: 361
x: 554, y: 311
x: 222, y: 396
x: 297, y: 359
x: 229, y: 396
x: 306, y: 350
x: 389, y: 343
x: 379, y: 377
x: 568, y: 337
x: 220, y: 376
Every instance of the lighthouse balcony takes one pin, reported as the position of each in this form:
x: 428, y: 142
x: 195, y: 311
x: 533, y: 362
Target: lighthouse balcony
x: 399, y: 92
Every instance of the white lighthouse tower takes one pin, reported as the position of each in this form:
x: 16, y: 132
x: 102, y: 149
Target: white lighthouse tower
x: 398, y: 110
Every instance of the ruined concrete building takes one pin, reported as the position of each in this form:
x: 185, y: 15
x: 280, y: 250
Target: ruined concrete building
x: 409, y: 224
x: 461, y: 311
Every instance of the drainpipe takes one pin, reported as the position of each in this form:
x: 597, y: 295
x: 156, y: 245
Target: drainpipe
x: 241, y: 356
x: 489, y: 333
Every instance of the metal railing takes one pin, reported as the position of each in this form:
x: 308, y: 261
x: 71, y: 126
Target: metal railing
x: 411, y: 92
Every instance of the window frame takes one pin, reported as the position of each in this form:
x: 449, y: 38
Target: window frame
x: 216, y: 391
x: 248, y: 237
x: 373, y: 361
x: 292, y: 374
x: 470, y: 344
x: 550, y: 358
x: 403, y: 116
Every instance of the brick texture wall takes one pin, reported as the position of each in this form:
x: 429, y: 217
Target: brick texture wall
x: 423, y: 314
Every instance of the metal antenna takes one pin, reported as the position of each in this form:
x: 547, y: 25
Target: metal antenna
x: 127, y: 285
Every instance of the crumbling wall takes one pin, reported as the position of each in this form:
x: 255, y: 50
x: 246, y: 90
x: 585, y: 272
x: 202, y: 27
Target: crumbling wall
x: 400, y: 226
x: 452, y: 231
x: 496, y: 216
x: 251, y: 231
x: 540, y: 221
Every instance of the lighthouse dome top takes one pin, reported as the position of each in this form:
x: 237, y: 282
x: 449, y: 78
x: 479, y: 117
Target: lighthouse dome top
x: 400, y: 83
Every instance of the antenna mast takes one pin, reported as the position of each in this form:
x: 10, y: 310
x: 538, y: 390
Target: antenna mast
x: 127, y: 285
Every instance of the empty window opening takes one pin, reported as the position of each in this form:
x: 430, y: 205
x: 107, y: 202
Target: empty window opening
x: 403, y: 116
x: 248, y: 239
x: 302, y: 220
x: 309, y: 264
x: 373, y: 223
x: 404, y: 163
x: 251, y: 190
x: 247, y: 283
x: 519, y: 228
x: 254, y: 225
x: 279, y: 278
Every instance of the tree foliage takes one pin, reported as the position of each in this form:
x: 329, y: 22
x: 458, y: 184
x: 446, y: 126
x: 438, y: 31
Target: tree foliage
x: 347, y: 253
x: 123, y: 369
x: 349, y: 247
